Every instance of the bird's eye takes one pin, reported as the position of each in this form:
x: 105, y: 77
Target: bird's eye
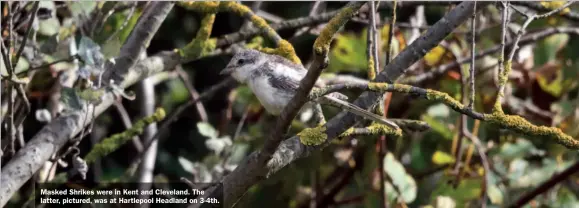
x: 240, y: 61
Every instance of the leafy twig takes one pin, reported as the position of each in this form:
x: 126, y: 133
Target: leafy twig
x: 528, y: 39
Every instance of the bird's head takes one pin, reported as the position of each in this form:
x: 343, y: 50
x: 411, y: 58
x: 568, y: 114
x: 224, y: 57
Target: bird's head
x: 243, y: 64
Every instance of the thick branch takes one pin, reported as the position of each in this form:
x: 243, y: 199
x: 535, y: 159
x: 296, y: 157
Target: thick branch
x: 253, y: 170
x: 54, y: 135
x: 146, y: 27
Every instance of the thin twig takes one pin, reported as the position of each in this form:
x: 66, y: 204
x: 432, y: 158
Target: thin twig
x: 386, y: 101
x: 127, y: 123
x: 127, y: 19
x: 504, y: 17
x: 175, y: 114
x: 485, y: 162
x: 390, y: 35
x: 545, y: 186
x: 472, y: 55
x: 508, y: 64
x: 573, y: 16
x: 528, y: 39
x: 372, y: 43
x: 556, y: 10
x: 193, y: 93
x: 28, y: 31
x: 241, y: 122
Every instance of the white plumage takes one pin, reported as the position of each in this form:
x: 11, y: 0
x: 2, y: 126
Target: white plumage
x: 274, y: 80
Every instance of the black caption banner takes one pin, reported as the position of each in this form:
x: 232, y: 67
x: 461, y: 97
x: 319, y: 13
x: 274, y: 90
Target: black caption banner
x: 176, y: 194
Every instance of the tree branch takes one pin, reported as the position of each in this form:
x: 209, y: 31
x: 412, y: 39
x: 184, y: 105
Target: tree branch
x: 139, y: 39
x: 545, y: 186
x: 252, y: 170
x: 55, y: 134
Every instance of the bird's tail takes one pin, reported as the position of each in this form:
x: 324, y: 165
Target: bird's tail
x: 357, y: 110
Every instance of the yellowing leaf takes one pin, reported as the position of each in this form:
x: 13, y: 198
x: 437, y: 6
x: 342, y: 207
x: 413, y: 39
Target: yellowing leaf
x: 555, y: 5
x: 442, y: 158
x: 433, y: 57
x: 554, y: 87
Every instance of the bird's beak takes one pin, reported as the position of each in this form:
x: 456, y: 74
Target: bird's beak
x: 226, y: 71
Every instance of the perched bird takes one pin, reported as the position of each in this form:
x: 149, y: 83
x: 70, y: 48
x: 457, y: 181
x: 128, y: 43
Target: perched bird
x: 274, y: 80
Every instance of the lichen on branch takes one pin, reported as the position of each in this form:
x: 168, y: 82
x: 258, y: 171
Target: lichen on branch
x: 322, y: 43
x: 510, y: 122
x: 374, y: 129
x: 313, y: 136
x: 112, y: 143
x: 284, y: 48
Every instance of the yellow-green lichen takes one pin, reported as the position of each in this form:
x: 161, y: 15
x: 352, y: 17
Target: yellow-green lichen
x: 234, y: 7
x: 503, y: 79
x: 313, y: 136
x: 498, y: 107
x: 444, y: 98
x: 201, y: 6
x: 384, y: 87
x: 520, y: 125
x: 375, y: 129
x: 206, y: 26
x: 255, y: 43
x: 202, y: 44
x: 284, y: 49
x: 112, y: 143
x: 371, y: 69
x: 322, y: 43
x: 243, y: 10
x: 269, y: 50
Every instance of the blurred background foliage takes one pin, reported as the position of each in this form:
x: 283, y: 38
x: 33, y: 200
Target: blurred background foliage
x: 418, y: 167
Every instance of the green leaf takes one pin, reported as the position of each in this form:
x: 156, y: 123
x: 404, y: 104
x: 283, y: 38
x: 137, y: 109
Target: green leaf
x: 207, y: 130
x: 438, y: 110
x: 442, y: 158
x: 71, y: 99
x: 444, y: 202
x: 438, y: 126
x: 520, y: 148
x: 495, y: 195
x: 467, y: 190
x: 547, y: 48
x: 112, y: 48
x: 404, y: 182
x: 81, y: 8
x: 90, y: 53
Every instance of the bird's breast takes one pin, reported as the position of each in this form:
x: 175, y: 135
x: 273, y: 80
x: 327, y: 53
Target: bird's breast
x: 272, y: 99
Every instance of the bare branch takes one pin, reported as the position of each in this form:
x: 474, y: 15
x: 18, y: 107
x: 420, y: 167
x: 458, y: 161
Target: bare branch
x: 146, y: 27
x: 472, y: 58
